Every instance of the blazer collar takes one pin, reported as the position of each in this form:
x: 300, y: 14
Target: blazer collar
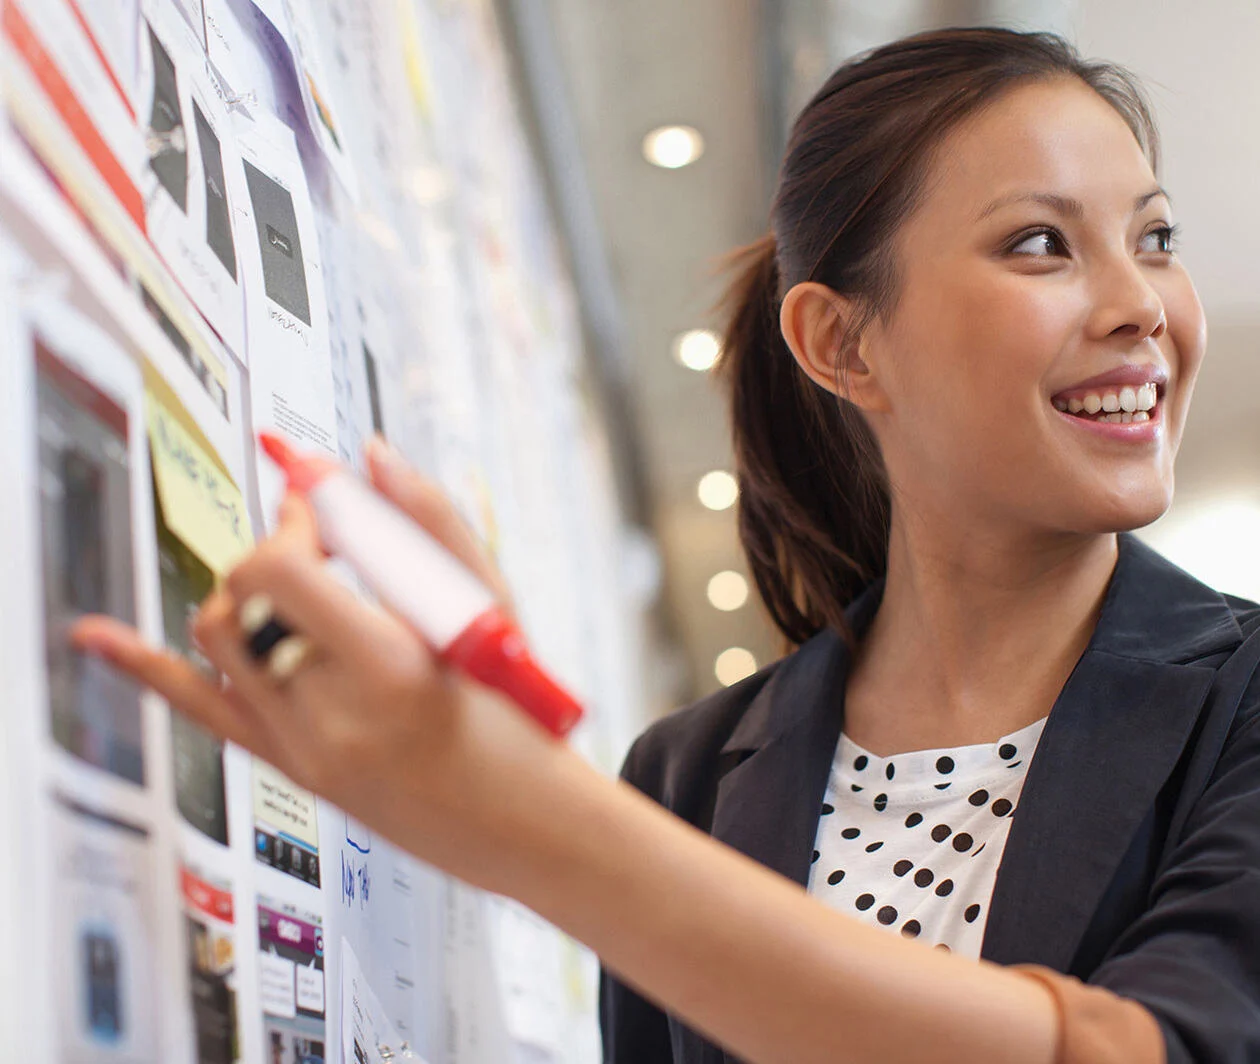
x: 1111, y: 741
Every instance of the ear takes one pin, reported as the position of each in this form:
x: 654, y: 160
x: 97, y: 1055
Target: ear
x: 817, y: 323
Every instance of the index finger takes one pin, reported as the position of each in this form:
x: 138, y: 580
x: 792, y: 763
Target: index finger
x: 172, y: 677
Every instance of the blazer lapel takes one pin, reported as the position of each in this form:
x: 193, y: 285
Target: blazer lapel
x: 768, y: 804
x: 1112, y: 740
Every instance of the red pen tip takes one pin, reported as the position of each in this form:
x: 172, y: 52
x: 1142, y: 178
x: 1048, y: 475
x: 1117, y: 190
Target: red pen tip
x: 300, y: 471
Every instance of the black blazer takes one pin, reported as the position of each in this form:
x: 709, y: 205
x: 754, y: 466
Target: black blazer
x: 1133, y: 861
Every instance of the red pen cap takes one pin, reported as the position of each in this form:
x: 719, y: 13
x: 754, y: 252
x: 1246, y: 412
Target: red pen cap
x: 493, y: 651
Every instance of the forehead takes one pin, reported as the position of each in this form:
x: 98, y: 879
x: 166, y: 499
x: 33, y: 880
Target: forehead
x: 1053, y: 136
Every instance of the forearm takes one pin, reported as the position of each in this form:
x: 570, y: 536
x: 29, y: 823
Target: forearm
x: 739, y: 952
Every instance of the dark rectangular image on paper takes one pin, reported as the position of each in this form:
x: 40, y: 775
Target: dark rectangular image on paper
x: 88, y: 566
x: 196, y: 755
x: 170, y: 160
x: 218, y: 216
x: 284, y: 276
x: 374, y: 390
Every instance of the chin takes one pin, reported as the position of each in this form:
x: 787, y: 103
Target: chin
x: 1135, y: 506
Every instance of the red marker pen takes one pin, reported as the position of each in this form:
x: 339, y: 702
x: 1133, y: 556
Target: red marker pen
x: 414, y: 575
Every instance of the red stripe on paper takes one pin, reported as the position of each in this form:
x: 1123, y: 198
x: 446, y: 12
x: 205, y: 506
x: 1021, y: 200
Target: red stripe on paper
x: 72, y: 113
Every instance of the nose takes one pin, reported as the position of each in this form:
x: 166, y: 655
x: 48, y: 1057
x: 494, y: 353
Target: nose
x: 1127, y: 305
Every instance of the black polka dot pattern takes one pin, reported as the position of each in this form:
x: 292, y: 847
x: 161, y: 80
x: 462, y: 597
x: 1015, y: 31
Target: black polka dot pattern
x: 913, y: 856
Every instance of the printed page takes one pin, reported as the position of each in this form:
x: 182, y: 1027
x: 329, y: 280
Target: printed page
x: 195, y: 194
x: 291, y: 381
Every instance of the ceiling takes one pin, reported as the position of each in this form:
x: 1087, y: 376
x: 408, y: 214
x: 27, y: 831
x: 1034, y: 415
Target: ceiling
x: 650, y: 241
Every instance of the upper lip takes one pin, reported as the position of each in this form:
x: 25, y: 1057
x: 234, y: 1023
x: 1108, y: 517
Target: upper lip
x: 1131, y: 374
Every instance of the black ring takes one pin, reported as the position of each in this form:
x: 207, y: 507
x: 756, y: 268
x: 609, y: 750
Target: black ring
x: 264, y: 641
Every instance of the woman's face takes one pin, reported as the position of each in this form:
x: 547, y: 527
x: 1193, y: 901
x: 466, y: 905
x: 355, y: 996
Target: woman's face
x: 1039, y: 360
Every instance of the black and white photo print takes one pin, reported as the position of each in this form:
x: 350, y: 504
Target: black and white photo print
x: 169, y: 158
x: 218, y: 214
x: 284, y: 275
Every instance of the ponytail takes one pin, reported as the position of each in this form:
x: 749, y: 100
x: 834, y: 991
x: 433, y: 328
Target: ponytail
x: 813, y: 502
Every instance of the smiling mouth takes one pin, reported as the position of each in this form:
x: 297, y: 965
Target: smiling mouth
x: 1125, y: 405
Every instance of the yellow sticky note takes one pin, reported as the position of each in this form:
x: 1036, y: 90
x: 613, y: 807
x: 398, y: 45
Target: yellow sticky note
x: 200, y: 503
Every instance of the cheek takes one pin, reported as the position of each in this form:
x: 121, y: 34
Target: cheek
x: 985, y: 339
x: 1184, y: 345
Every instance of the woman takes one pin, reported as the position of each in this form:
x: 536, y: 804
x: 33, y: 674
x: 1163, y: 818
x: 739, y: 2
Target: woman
x: 961, y: 367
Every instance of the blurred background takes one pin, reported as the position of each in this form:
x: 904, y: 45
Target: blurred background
x: 661, y: 125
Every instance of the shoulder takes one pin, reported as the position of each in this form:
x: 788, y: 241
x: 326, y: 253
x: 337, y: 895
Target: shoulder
x: 676, y: 760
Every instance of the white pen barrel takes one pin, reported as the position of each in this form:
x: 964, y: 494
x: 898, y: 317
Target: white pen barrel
x: 405, y: 567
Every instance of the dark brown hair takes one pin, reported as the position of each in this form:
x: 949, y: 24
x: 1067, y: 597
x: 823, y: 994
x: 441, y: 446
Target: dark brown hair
x: 814, y: 502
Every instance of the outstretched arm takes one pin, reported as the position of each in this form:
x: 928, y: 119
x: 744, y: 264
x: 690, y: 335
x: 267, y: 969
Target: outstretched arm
x: 457, y: 776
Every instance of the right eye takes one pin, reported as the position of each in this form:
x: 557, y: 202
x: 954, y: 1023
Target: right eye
x: 1043, y: 243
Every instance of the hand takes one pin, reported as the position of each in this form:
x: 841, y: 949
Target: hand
x: 372, y: 720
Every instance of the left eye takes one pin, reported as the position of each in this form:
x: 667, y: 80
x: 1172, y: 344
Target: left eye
x: 1043, y: 243
x: 1158, y: 240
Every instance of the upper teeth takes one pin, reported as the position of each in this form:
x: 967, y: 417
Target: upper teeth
x: 1127, y: 399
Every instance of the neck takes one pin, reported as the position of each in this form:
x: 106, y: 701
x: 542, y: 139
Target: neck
x: 976, y: 633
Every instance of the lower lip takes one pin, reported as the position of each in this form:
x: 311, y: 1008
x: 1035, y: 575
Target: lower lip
x: 1134, y: 432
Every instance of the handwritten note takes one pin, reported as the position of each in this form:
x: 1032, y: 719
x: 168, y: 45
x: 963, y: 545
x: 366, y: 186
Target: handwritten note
x: 200, y: 503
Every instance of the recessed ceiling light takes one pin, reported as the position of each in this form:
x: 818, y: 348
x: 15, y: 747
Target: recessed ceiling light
x: 728, y: 590
x: 733, y: 664
x: 718, y: 490
x: 673, y: 146
x: 698, y: 349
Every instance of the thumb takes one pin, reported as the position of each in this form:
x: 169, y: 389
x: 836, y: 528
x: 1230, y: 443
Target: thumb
x: 428, y: 505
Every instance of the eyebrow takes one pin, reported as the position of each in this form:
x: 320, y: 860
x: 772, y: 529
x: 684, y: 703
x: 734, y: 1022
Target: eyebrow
x: 1065, y: 205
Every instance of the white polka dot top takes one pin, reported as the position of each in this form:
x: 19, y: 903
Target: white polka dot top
x: 912, y: 842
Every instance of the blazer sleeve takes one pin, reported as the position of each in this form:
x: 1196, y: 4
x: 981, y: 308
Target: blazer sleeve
x: 1192, y: 959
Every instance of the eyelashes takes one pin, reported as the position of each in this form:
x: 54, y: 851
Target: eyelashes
x: 1053, y: 244
x: 1170, y: 237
